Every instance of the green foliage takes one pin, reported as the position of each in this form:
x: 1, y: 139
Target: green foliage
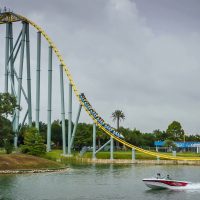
x: 5, y: 130
x: 169, y: 143
x: 83, y: 136
x: 56, y: 130
x: 148, y: 140
x: 132, y: 136
x: 192, y: 138
x: 8, y: 103
x: 6, y: 135
x: 160, y: 135
x: 175, y: 131
x: 8, y: 146
x: 33, y: 142
x: 42, y: 129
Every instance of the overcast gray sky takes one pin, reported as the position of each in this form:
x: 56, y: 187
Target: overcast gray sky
x: 139, y: 56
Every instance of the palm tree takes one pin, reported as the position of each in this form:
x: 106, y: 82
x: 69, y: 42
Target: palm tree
x: 118, y: 115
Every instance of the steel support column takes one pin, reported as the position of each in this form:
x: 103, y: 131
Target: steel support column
x: 28, y: 76
x: 37, y: 114
x: 11, y: 60
x: 75, y: 126
x: 158, y: 159
x: 62, y: 110
x: 18, y: 48
x: 70, y: 119
x: 16, y: 43
x: 6, y: 57
x: 133, y: 154
x: 94, y: 142
x: 102, y: 147
x: 49, y: 100
x: 111, y: 148
x: 20, y: 83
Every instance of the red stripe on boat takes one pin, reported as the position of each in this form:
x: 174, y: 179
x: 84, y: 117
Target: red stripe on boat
x: 173, y: 183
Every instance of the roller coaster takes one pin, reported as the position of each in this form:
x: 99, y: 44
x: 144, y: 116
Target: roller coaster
x: 8, y: 17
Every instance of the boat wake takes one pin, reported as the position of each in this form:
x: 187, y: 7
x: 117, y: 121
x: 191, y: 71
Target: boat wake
x: 190, y: 186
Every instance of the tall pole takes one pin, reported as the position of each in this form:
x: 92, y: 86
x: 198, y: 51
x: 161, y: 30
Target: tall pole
x: 49, y: 100
x: 94, y: 142
x: 133, y: 154
x: 111, y: 148
x: 70, y: 119
x: 28, y: 76
x: 6, y: 57
x: 11, y: 57
x: 20, y: 82
x: 12, y: 69
x: 37, y: 114
x: 62, y: 110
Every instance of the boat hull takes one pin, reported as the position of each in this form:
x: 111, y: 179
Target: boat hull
x: 164, y: 184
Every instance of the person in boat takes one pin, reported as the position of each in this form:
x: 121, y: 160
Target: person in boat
x: 158, y: 176
x: 168, y: 177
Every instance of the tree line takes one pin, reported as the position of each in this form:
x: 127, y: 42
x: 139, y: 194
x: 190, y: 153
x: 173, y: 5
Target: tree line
x: 83, y: 136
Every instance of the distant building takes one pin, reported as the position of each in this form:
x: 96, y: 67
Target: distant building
x: 194, y: 145
x: 178, y: 144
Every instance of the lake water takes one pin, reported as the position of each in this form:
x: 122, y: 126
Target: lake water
x: 98, y: 182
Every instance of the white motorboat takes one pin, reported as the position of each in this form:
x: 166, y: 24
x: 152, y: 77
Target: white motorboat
x: 164, y: 183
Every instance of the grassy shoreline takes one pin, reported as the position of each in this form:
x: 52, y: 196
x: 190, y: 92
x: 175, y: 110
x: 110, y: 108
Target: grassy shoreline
x: 17, y: 161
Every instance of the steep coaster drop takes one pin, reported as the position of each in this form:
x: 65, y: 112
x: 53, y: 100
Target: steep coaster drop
x: 98, y: 118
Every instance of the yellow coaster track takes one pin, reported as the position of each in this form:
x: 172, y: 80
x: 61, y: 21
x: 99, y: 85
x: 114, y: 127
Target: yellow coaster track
x: 12, y: 17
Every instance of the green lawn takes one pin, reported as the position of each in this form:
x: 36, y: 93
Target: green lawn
x: 53, y: 155
x: 119, y: 155
x: 56, y: 154
x: 188, y: 154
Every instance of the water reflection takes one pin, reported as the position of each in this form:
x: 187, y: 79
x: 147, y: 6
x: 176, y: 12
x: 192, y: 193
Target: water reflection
x: 7, y: 182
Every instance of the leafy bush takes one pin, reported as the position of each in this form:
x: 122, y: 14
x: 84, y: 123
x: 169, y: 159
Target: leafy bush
x: 6, y: 135
x: 8, y: 146
x: 33, y: 143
